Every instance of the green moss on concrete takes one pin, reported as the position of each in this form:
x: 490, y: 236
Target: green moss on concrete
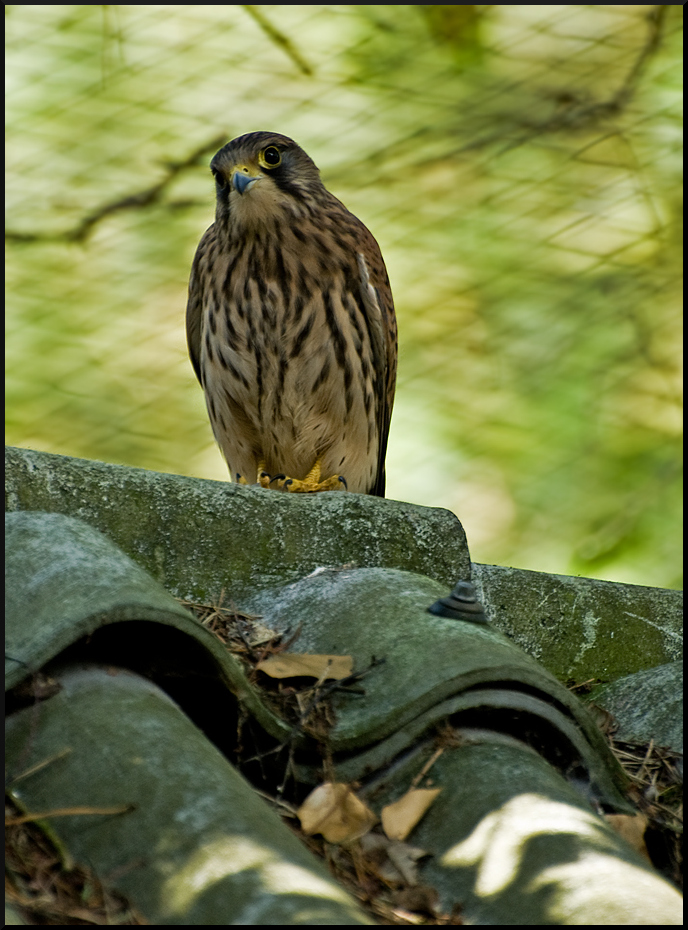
x: 207, y: 539
x: 201, y: 538
x: 647, y: 706
x: 198, y: 846
x: 582, y: 628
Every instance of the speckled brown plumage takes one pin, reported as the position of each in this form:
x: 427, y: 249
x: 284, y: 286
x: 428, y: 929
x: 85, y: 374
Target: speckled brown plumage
x: 291, y: 326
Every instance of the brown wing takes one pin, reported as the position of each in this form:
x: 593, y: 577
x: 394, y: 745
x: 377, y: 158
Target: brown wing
x: 194, y: 306
x: 382, y: 326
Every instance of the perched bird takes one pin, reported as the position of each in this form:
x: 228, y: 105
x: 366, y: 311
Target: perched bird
x: 291, y: 326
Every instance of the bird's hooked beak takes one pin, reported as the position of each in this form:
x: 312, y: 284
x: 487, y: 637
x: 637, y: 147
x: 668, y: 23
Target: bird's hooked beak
x: 243, y: 181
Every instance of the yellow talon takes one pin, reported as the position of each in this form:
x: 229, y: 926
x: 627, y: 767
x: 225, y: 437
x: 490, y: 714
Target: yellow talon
x: 310, y: 483
x: 262, y: 477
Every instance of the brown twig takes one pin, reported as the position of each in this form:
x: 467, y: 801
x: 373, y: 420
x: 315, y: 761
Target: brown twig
x: 68, y: 812
x: 279, y: 38
x: 142, y: 198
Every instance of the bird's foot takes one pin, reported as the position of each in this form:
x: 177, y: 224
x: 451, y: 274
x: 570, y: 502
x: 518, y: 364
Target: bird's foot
x: 310, y: 483
x: 262, y: 477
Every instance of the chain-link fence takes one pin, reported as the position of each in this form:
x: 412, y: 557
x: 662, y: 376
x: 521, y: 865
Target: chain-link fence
x: 520, y: 167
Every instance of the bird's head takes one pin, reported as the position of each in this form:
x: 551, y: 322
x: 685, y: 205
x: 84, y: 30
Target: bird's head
x: 261, y: 176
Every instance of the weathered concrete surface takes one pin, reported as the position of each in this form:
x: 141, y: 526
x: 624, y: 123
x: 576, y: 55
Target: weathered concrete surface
x: 68, y: 585
x: 65, y: 582
x: 207, y: 539
x: 513, y: 844
x: 62, y: 578
x: 435, y: 668
x: 202, y: 538
x: 198, y: 846
x: 516, y: 600
x: 647, y: 706
x: 581, y: 628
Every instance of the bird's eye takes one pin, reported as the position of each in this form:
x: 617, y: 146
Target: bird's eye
x: 220, y: 179
x: 271, y: 157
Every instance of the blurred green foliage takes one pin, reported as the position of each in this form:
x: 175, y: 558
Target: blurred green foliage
x: 521, y: 168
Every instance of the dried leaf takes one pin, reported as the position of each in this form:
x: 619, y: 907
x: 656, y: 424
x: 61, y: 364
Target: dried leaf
x: 400, y: 818
x: 295, y: 664
x: 334, y: 810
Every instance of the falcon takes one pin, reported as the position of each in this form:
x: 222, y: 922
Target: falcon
x: 290, y: 326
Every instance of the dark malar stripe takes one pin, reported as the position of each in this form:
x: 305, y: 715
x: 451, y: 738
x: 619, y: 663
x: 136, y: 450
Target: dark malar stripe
x: 293, y: 190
